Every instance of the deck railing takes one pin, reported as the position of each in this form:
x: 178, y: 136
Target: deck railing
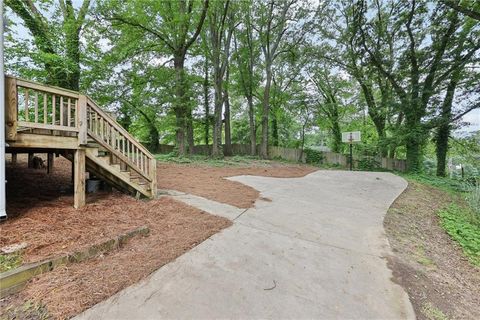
x: 115, y: 138
x: 33, y: 106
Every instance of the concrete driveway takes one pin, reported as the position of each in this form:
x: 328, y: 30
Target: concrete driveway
x: 316, y: 250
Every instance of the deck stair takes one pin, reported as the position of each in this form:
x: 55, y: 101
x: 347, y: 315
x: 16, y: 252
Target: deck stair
x: 40, y: 117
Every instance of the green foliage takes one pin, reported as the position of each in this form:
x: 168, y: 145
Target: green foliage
x: 463, y: 228
x: 10, y: 261
x: 473, y: 199
x: 313, y: 156
x: 443, y: 183
x: 368, y: 164
x: 433, y: 313
x: 234, y: 161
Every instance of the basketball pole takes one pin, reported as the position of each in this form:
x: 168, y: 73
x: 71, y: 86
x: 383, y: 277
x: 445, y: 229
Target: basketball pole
x: 351, y: 156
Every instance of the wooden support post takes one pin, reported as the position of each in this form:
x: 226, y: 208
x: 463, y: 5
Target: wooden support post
x: 30, y: 160
x: 11, y: 99
x: 79, y: 178
x: 82, y: 120
x: 153, y: 175
x: 50, y: 163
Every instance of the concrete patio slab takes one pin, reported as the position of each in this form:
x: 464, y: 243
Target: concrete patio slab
x: 316, y: 251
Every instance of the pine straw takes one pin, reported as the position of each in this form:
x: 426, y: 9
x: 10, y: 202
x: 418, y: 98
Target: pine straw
x: 174, y: 229
x: 46, y: 220
x: 209, y: 182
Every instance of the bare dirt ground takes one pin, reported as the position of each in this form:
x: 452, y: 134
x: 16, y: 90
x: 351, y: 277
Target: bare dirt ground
x: 41, y: 214
x: 209, y: 182
x: 439, y: 279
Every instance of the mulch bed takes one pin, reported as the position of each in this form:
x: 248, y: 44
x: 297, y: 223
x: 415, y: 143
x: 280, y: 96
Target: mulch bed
x: 427, y: 263
x: 209, y: 182
x: 41, y: 214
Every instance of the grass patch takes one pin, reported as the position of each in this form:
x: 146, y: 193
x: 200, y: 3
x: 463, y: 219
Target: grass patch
x: 10, y: 261
x: 461, y: 219
x: 442, y: 183
x: 28, y: 310
x: 462, y: 225
x: 433, y: 313
x: 213, y: 162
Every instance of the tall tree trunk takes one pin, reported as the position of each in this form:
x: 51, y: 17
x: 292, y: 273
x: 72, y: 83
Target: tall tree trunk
x: 73, y: 54
x: 226, y: 115
x: 217, y: 126
x: 443, y: 131
x: 154, y: 138
x: 179, y: 107
x: 337, y: 136
x: 274, y: 128
x: 251, y: 123
x: 413, y: 144
x: 380, y: 128
x: 266, y: 111
x: 441, y: 146
x: 190, y: 137
x: 206, y: 104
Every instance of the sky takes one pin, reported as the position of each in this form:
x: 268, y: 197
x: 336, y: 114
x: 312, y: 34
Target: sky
x: 472, y: 119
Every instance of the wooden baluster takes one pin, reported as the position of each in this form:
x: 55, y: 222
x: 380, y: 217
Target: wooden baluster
x: 97, y: 129
x: 114, y: 138
x: 76, y: 124
x: 36, y: 107
x: 53, y: 109
x: 69, y: 112
x: 61, y: 110
x: 45, y: 108
x: 26, y: 104
x: 138, y: 157
x: 145, y: 163
x: 101, y: 128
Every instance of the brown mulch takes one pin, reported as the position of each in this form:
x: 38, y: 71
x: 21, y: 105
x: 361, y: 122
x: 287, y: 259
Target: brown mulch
x: 427, y: 263
x: 209, y: 182
x: 41, y: 214
x: 68, y: 290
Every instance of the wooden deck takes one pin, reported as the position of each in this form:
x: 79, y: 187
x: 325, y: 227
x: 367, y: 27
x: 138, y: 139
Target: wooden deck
x: 45, y: 119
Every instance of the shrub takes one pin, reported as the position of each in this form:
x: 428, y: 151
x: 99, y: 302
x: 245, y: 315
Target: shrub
x: 313, y: 156
x: 368, y: 164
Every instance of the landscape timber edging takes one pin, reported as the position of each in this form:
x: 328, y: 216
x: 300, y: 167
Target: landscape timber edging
x: 14, y: 280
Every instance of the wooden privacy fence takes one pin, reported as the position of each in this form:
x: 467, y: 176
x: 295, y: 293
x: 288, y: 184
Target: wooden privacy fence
x: 296, y: 155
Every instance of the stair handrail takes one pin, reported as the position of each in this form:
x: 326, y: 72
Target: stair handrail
x: 146, y: 169
x: 118, y: 127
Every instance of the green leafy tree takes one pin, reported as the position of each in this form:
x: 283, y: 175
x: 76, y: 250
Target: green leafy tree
x: 56, y: 38
x: 167, y: 28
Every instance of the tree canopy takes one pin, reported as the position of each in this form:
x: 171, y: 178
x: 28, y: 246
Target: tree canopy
x: 292, y: 73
